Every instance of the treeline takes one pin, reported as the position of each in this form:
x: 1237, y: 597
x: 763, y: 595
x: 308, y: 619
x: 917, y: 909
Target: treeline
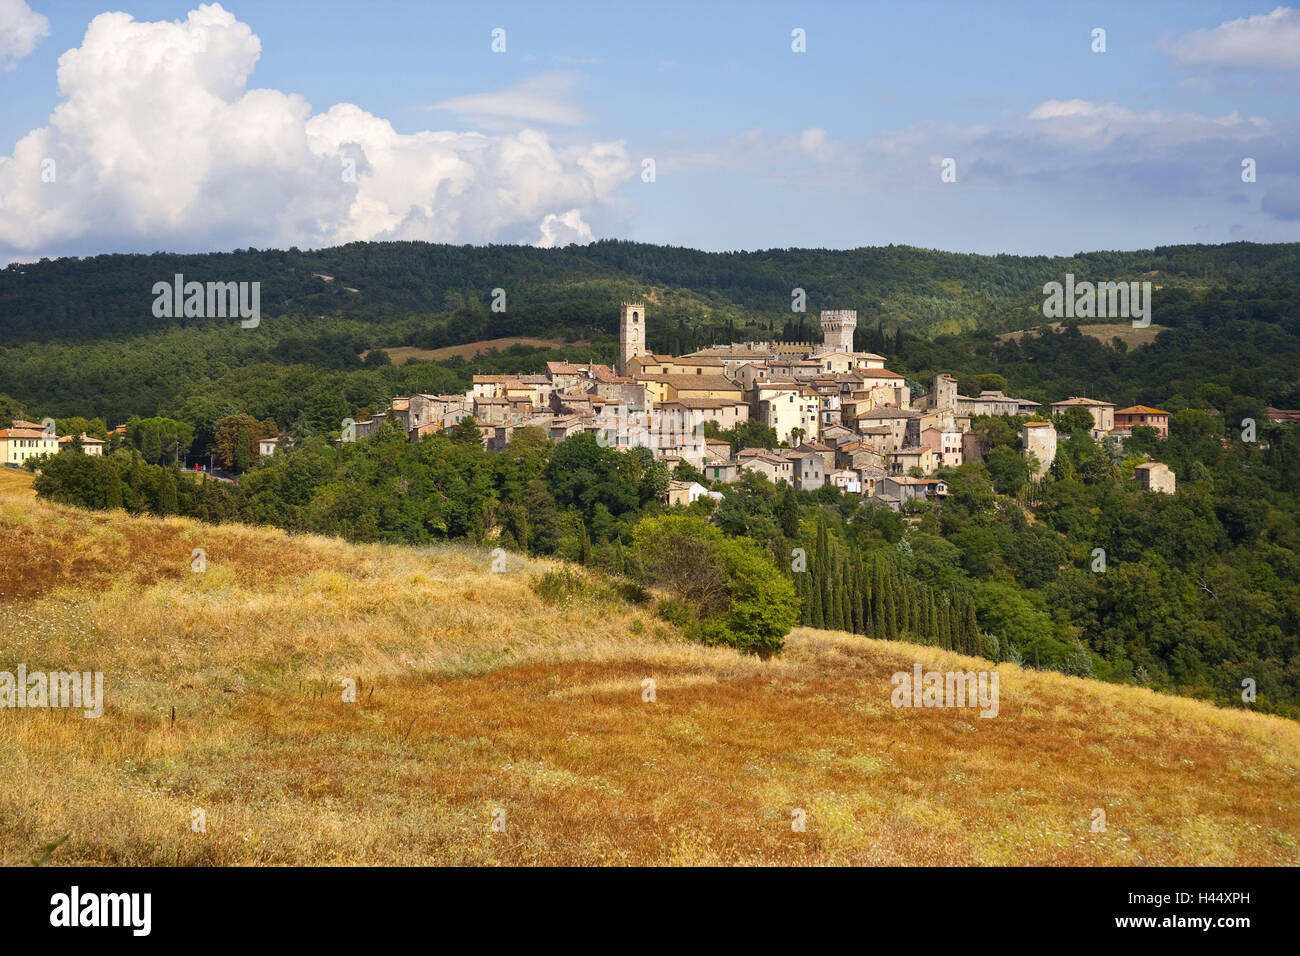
x: 110, y: 296
x: 1223, y: 342
x: 843, y: 589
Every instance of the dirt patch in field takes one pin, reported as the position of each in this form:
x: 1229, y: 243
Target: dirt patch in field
x: 404, y: 354
x: 1104, y: 333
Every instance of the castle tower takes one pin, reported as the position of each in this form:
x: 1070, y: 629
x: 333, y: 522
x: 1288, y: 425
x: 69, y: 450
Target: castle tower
x: 631, y: 333
x: 837, y: 328
x: 943, y: 392
x: 1038, y: 439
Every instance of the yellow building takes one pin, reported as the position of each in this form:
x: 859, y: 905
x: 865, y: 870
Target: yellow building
x: 786, y: 407
x: 19, y: 444
x: 89, y: 446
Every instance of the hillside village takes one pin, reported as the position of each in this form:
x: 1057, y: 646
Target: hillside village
x: 840, y: 416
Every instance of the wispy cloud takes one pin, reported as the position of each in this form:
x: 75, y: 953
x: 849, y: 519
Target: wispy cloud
x: 1074, y: 147
x: 544, y: 99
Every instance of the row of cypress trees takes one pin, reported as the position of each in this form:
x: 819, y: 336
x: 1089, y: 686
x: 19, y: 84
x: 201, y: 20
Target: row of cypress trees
x: 842, y: 589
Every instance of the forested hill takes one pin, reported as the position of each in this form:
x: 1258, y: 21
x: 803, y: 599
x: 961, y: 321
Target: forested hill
x: 576, y: 289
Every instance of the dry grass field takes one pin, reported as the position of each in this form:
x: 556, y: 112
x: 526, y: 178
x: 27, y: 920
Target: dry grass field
x: 403, y: 354
x: 16, y: 482
x: 1104, y: 332
x: 477, y: 697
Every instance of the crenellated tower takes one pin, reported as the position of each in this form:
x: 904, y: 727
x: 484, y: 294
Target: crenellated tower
x: 837, y: 328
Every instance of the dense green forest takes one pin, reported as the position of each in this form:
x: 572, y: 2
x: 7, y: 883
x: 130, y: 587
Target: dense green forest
x: 579, y: 287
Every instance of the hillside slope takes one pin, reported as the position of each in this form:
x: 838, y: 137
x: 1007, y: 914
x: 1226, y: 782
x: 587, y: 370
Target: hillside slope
x: 922, y: 290
x: 476, y: 694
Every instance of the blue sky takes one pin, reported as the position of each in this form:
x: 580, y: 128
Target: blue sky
x: 218, y: 127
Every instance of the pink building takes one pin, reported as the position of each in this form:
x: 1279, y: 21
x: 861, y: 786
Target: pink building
x: 947, y: 444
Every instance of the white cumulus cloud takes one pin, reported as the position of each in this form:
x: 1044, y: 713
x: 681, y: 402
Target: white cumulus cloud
x: 21, y: 28
x: 565, y: 229
x: 159, y: 139
x: 1268, y: 41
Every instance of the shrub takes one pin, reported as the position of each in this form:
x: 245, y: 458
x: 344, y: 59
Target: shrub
x: 560, y: 586
x: 727, y: 589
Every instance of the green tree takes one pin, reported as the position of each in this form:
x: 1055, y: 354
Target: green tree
x: 736, y: 594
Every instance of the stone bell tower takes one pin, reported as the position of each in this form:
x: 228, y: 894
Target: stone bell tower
x: 631, y: 333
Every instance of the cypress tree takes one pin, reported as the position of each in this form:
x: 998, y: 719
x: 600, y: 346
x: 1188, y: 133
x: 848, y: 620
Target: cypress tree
x: 906, y: 613
x: 167, y: 503
x: 830, y: 608
x: 798, y: 592
x: 891, y: 608
x: 879, y: 615
x: 846, y: 609
x: 790, y: 514
x: 113, y: 490
x: 823, y: 549
x: 801, y: 589
x: 818, y: 614
x: 970, y: 628
x: 859, y: 602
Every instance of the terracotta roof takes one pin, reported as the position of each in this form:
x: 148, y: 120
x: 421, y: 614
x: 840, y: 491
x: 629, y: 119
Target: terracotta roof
x: 601, y: 373
x: 692, y: 382
x: 1140, y: 410
x: 887, y: 412
x: 708, y: 360
x: 728, y: 353
x: 704, y: 402
x: 85, y: 439
x: 1075, y: 400
x: 907, y: 480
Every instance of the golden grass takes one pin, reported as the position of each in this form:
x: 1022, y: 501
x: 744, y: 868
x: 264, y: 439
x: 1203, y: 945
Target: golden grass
x: 1105, y: 331
x: 16, y: 482
x: 476, y: 695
